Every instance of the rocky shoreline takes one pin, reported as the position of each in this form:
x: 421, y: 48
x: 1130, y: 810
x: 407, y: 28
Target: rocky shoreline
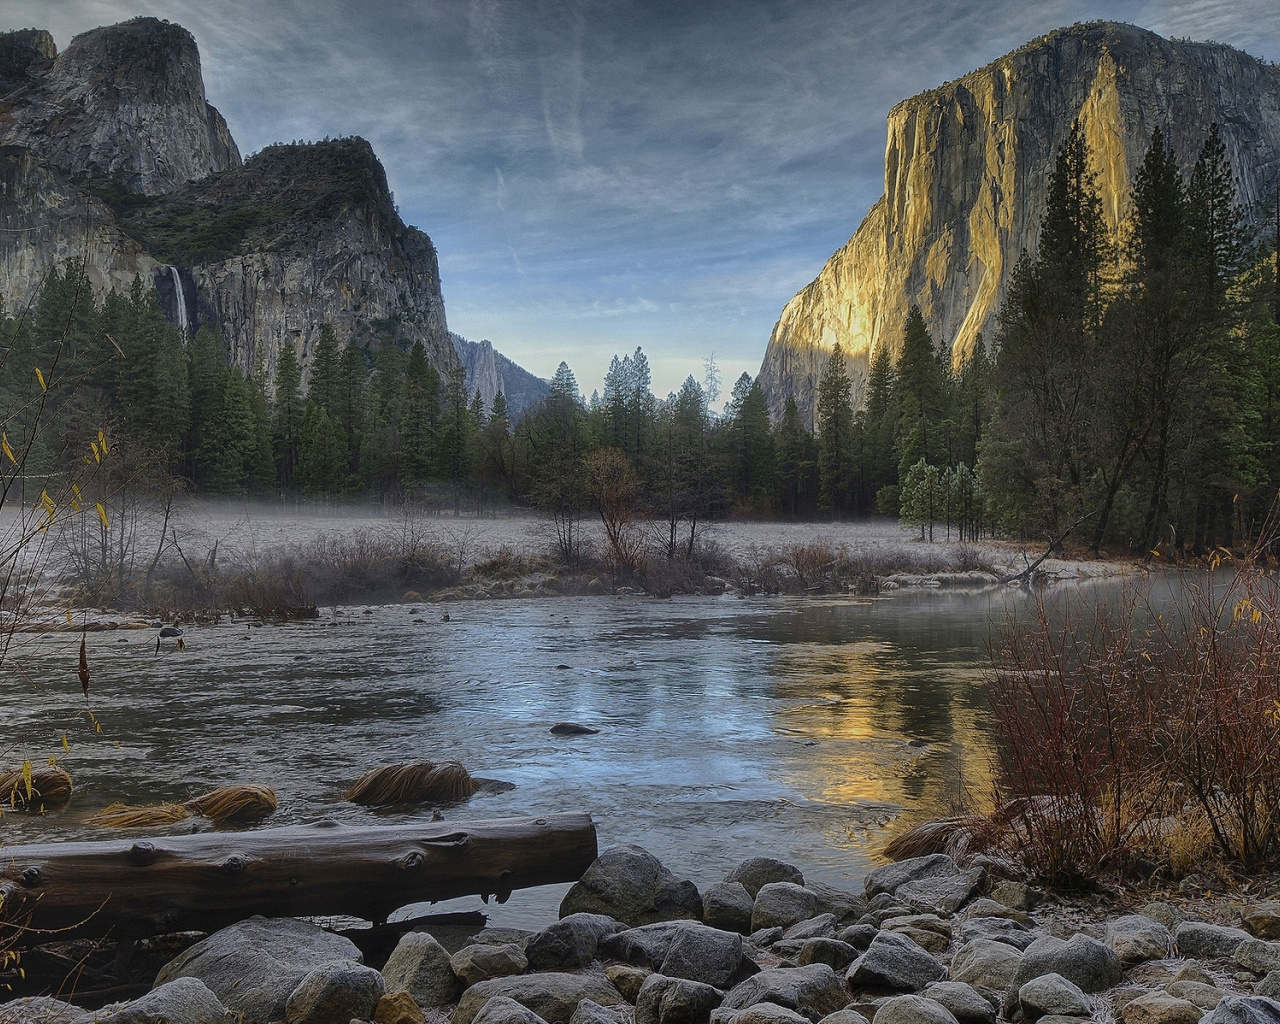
x: 926, y: 941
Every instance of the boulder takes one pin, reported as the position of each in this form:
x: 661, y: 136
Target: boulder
x: 1244, y: 1010
x: 569, y: 943
x: 859, y: 936
x: 764, y: 937
x: 589, y: 1012
x: 920, y: 922
x: 552, y: 996
x: 1052, y: 993
x: 890, y: 877
x: 1083, y: 961
x: 926, y: 938
x: 814, y: 987
x: 768, y: 1013
x: 645, y: 946
x: 664, y: 1000
x: 967, y: 1004
x: 398, y: 1008
x: 1137, y: 938
x: 837, y: 902
x: 422, y: 967
x: 44, y: 1009
x: 1268, y: 986
x: 894, y: 962
x: 1015, y: 895
x: 1160, y: 1008
x: 835, y: 954
x: 1258, y: 956
x: 334, y: 994
x: 181, y: 1001
x: 942, y: 894
x: 727, y: 905
x: 986, y: 964
x: 627, y: 979
x: 913, y: 1010
x: 630, y: 884
x: 1163, y: 913
x: 1204, y: 996
x: 846, y: 1016
x: 998, y: 929
x: 504, y: 1010
x: 1263, y: 920
x: 755, y: 873
x: 473, y: 964
x: 782, y: 904
x: 823, y: 926
x: 254, y: 966
x: 1192, y: 971
x: 708, y: 955
x: 1198, y: 939
x: 986, y: 907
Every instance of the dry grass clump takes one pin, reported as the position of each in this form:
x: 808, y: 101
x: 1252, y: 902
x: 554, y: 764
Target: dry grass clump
x: 120, y: 815
x: 223, y: 805
x: 38, y: 789
x: 959, y: 837
x: 412, y: 782
x: 276, y: 594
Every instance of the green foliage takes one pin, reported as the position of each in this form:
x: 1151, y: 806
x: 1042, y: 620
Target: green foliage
x: 835, y: 435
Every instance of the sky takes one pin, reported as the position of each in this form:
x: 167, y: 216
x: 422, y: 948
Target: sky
x: 598, y: 175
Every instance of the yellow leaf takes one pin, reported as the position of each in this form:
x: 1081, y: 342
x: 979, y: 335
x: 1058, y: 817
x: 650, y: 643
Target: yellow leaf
x: 26, y: 777
x: 40, y: 378
x: 4, y: 443
x: 53, y: 760
x: 102, y: 514
x: 97, y: 454
x: 102, y: 440
x: 65, y: 745
x: 69, y: 622
x: 47, y: 502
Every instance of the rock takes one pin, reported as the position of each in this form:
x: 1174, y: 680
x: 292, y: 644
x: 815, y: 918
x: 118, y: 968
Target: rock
x: 1204, y: 996
x: 422, y: 967
x: 398, y: 1008
x: 1198, y: 939
x: 593, y: 1013
x: 43, y: 1009
x: 764, y: 937
x: 504, y: 1010
x: 894, y: 962
x: 254, y: 966
x: 757, y: 872
x: 835, y: 954
x: 788, y: 948
x: 1244, y: 1010
x: 1268, y: 986
x: 845, y: 1016
x: 768, y: 1013
x: 814, y: 987
x: 1052, y: 993
x: 181, y: 1001
x: 823, y: 926
x: 665, y: 1000
x: 727, y: 905
x: 1163, y: 913
x: 1263, y: 921
x: 475, y: 963
x: 336, y: 993
x: 913, y: 1010
x: 859, y: 936
x: 782, y: 904
x: 967, y: 1004
x: 569, y: 943
x: 927, y: 940
x: 552, y: 996
x: 708, y: 955
x: 1192, y: 971
x: 629, y: 884
x: 627, y: 979
x: 890, y: 877
x: 1015, y: 895
x: 1160, y: 1008
x: 998, y: 867
x: 502, y: 937
x: 888, y: 913
x: 985, y: 907
x: 942, y: 895
x: 998, y: 929
x: 920, y: 922
x: 574, y: 728
x: 836, y: 902
x: 645, y: 946
x: 986, y: 964
x: 1083, y: 961
x: 1137, y: 938
x: 1258, y: 956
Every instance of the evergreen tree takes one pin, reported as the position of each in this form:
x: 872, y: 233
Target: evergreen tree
x: 232, y: 441
x: 286, y: 425
x: 262, y: 467
x: 835, y: 431
x: 419, y: 412
x: 325, y: 386
x: 798, y: 464
x: 322, y: 453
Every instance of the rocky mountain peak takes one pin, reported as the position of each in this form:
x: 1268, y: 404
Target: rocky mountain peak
x: 24, y: 54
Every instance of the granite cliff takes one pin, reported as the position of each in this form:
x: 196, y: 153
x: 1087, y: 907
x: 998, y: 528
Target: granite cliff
x: 966, y: 168
x: 489, y: 371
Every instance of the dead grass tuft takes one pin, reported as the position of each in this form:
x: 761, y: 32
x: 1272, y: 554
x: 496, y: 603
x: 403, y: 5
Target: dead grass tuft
x: 412, y: 782
x: 50, y: 789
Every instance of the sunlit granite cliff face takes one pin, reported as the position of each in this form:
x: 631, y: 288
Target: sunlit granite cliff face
x: 110, y: 153
x: 966, y: 169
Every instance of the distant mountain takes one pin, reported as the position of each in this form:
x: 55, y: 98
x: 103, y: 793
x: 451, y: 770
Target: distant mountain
x: 489, y: 371
x: 966, y: 168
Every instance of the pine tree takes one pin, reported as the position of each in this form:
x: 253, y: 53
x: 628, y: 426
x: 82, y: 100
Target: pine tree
x: 286, y: 424
x: 322, y: 453
x: 206, y: 364
x: 798, y: 464
x: 419, y: 412
x: 325, y: 386
x: 835, y: 432
x: 262, y: 466
x: 232, y: 441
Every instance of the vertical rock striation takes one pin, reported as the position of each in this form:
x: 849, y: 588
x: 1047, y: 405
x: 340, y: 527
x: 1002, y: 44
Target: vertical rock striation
x: 489, y: 371
x: 966, y: 169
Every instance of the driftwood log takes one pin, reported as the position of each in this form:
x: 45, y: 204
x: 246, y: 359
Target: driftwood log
x: 135, y: 888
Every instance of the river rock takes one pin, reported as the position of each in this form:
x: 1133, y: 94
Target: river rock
x: 764, y: 937
x: 986, y: 964
x: 782, y: 904
x: 181, y: 1001
x: 1160, y: 1008
x: 942, y: 894
x: 998, y: 929
x: 631, y: 885
x: 1015, y: 895
x: 645, y: 946
x: 1199, y: 939
x: 838, y: 903
x: 859, y: 936
x: 336, y: 993
x: 1137, y: 938
x: 422, y: 967
x: 727, y: 905
x: 1244, y: 1010
x: 1268, y: 986
x: 1052, y: 993
x: 254, y: 966
x: 1163, y: 913
x: 552, y: 996
x: 44, y: 1009
x: 894, y: 962
x: 398, y: 1008
x: 846, y: 1016
x: 823, y: 926
x: 569, y: 943
x: 814, y: 987
x: 928, y: 931
x: 890, y: 877
x: 1192, y: 971
x: 768, y: 1013
x: 967, y: 1004
x: 1258, y: 956
x: 627, y: 979
x: 664, y: 1000
x: 1083, y: 961
x: 1263, y: 921
x: 757, y: 872
x: 987, y: 907
x: 504, y: 1010
x: 835, y: 954
x: 473, y: 964
x: 913, y: 1010
x: 708, y: 955
x: 593, y: 1013
x: 1204, y: 996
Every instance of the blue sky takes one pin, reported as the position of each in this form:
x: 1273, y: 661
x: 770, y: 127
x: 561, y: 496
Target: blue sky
x: 602, y: 174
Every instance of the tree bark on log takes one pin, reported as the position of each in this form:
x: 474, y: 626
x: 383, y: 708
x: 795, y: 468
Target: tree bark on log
x: 202, y: 882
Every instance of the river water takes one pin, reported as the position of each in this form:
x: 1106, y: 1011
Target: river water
x: 808, y: 729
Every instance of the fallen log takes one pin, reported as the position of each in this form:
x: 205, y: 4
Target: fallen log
x: 209, y: 880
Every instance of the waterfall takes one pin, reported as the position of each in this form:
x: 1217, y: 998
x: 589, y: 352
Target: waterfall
x: 182, y: 300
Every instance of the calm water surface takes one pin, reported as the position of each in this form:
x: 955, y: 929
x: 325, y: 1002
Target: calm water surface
x: 809, y: 729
